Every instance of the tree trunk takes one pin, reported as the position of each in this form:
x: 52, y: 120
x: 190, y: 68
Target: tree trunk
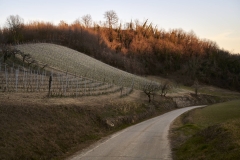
x: 196, y: 91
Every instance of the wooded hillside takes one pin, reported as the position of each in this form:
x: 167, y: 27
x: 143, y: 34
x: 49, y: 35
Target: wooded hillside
x: 136, y: 47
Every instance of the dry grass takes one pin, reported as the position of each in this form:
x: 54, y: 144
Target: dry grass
x: 33, y: 126
x: 179, y: 89
x: 45, y: 132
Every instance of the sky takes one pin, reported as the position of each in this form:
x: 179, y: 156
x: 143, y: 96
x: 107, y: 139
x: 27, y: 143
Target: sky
x: 216, y: 20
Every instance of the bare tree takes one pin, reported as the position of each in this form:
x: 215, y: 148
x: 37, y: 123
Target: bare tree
x: 137, y: 23
x: 164, y: 88
x: 8, y: 52
x: 196, y: 86
x: 25, y: 56
x: 87, y: 20
x: 150, y: 89
x: 111, y: 18
x: 15, y: 25
x: 63, y: 25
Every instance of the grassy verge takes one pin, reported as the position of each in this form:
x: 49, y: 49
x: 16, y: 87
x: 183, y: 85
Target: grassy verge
x: 54, y: 131
x: 208, y: 133
x: 45, y: 132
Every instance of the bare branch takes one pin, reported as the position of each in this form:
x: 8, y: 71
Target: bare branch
x: 15, y: 25
x: 165, y: 88
x: 87, y: 20
x: 150, y: 89
x: 111, y: 18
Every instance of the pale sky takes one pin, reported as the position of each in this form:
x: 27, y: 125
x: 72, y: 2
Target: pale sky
x: 217, y: 20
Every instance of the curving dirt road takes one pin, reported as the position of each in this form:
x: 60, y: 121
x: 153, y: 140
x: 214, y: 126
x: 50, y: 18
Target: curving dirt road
x: 145, y: 141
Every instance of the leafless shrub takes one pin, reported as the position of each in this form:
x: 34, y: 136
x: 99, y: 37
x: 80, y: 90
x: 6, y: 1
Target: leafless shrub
x: 150, y: 89
x: 165, y: 87
x: 196, y: 86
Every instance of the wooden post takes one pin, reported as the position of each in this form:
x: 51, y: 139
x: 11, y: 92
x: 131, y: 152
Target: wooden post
x: 50, y: 85
x: 77, y: 89
x: 37, y: 85
x: 6, y: 76
x: 85, y: 88
x: 16, y: 78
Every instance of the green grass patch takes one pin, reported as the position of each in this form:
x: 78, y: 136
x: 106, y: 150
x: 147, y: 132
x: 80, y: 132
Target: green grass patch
x: 189, y: 129
x: 217, y: 113
x: 213, y: 91
x: 210, y: 133
x: 219, y: 92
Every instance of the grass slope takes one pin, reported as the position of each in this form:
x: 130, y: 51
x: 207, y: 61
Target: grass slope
x: 66, y: 59
x: 34, y: 127
x: 209, y: 133
x: 44, y: 132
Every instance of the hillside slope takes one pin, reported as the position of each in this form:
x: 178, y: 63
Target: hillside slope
x: 141, y: 48
x: 77, y: 63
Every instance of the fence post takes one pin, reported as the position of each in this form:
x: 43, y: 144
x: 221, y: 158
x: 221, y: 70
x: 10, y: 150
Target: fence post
x: 66, y: 84
x: 77, y: 88
x: 50, y: 85
x: 85, y: 87
x: 6, y: 76
x: 16, y: 84
x: 62, y: 82
x: 37, y: 87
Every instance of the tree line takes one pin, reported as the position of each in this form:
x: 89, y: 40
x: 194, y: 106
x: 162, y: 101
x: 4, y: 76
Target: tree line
x: 137, y: 47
